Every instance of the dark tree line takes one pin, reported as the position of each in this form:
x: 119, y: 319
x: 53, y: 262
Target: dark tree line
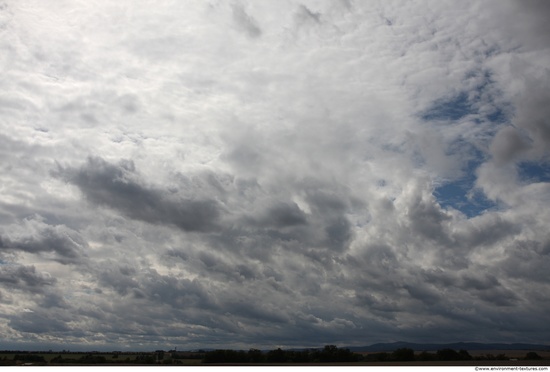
x: 329, y: 354
x: 100, y: 359
x: 29, y: 358
x: 408, y: 355
x: 332, y: 354
x: 85, y: 359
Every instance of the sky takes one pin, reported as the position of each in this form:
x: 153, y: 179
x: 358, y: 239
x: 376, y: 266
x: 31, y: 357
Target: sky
x: 290, y: 173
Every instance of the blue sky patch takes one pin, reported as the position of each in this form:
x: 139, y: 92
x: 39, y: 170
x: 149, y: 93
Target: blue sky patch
x: 455, y: 195
x: 531, y: 172
x: 481, y: 104
x: 468, y: 103
x: 497, y: 116
x: 453, y: 109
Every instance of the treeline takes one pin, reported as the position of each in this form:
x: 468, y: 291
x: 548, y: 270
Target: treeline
x: 100, y: 359
x: 332, y: 354
x: 329, y: 354
x: 29, y: 358
x: 408, y: 355
x: 86, y: 359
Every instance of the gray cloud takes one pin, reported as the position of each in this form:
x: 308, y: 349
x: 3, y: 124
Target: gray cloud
x: 117, y: 187
x: 37, y: 323
x: 533, y: 113
x: 427, y: 218
x: 245, y: 22
x: 285, y: 215
x: 527, y: 259
x: 304, y: 15
x: 486, y: 231
x: 531, y: 139
x: 25, y: 278
x: 271, y: 174
x: 278, y: 215
x: 538, y: 12
x: 37, y: 237
x: 508, y: 144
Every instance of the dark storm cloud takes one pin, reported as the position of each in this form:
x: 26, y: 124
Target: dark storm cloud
x: 528, y: 259
x: 175, y: 253
x: 479, y: 282
x: 53, y: 300
x: 423, y: 293
x: 318, y: 225
x: 152, y: 286
x: 42, y: 322
x: 282, y: 215
x: 121, y: 279
x: 25, y: 278
x: 339, y: 233
x: 37, y: 237
x: 499, y: 297
x: 439, y: 277
x: 118, y: 187
x: 381, y: 306
x: 191, y: 302
x: 256, y: 311
x: 286, y: 215
x: 325, y: 198
x: 488, y: 288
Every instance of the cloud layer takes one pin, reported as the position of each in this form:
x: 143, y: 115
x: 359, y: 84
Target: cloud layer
x: 263, y: 174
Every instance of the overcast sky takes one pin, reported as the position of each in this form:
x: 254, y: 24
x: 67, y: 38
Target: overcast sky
x: 273, y: 173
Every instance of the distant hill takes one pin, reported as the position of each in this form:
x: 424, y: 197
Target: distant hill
x: 388, y: 347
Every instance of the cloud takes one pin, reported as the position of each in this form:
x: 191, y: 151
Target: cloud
x: 258, y: 174
x: 245, y: 22
x: 117, y: 187
x: 286, y: 215
x: 507, y: 145
x: 537, y: 11
x: 533, y: 114
x: 39, y: 238
x: 24, y: 278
